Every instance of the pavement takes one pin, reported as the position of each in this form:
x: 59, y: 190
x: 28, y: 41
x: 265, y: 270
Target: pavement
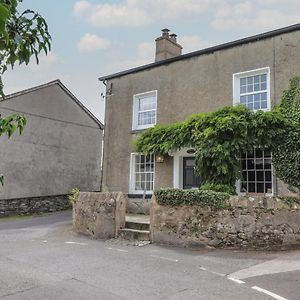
x: 42, y: 258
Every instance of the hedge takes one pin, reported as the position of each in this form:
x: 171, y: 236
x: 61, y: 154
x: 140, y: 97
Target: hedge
x: 174, y: 197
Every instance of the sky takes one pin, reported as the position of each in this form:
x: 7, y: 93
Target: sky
x: 92, y: 38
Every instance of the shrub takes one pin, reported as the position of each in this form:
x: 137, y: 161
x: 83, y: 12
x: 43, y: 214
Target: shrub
x: 73, y: 195
x: 174, y: 197
x: 222, y: 188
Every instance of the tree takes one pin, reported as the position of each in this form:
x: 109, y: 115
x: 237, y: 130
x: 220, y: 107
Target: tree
x: 22, y: 35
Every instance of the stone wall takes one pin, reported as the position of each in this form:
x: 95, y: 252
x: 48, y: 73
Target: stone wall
x: 99, y: 215
x: 247, y: 223
x: 29, y: 206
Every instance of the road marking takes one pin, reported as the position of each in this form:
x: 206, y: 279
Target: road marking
x: 76, y: 243
x: 116, y: 249
x: 213, y: 272
x: 236, y: 280
x: 45, y: 241
x: 275, y: 296
x: 165, y: 258
x: 284, y: 263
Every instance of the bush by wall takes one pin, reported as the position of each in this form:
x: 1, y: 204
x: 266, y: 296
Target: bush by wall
x: 175, y: 197
x: 223, y: 188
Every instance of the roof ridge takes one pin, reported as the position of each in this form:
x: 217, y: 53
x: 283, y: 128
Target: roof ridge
x: 208, y: 50
x: 62, y: 86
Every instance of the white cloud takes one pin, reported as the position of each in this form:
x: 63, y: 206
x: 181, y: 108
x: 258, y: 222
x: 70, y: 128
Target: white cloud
x: 137, y: 12
x: 193, y: 43
x: 256, y: 15
x: 81, y: 7
x: 92, y: 42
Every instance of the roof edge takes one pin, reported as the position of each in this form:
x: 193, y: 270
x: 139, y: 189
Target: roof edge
x: 62, y: 86
x: 209, y: 50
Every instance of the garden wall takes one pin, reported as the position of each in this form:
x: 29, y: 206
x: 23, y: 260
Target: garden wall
x: 99, y: 215
x: 33, y: 205
x: 249, y: 223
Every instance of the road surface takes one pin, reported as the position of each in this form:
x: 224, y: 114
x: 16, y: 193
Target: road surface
x: 41, y: 258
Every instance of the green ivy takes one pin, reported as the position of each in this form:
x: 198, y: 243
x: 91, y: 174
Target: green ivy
x: 223, y: 188
x: 219, y: 139
x: 175, y: 197
x: 286, y: 156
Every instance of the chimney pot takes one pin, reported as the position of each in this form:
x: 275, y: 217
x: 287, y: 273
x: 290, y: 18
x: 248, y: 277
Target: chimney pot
x: 173, y: 37
x: 165, y: 32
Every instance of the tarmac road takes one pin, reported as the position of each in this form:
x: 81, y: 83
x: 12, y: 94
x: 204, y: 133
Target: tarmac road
x: 41, y: 258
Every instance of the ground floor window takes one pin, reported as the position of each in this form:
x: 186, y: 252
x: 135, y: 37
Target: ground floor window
x: 257, y: 175
x: 142, y: 173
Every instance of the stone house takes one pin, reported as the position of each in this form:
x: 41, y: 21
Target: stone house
x: 60, y: 149
x: 253, y: 71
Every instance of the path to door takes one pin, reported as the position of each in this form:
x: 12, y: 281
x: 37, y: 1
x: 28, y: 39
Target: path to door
x: 41, y: 258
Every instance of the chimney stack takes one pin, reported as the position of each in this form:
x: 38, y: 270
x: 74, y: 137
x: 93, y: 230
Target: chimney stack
x: 167, y: 46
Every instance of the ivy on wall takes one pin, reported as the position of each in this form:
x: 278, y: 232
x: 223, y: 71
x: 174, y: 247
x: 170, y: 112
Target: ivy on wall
x: 220, y: 137
x: 286, y: 156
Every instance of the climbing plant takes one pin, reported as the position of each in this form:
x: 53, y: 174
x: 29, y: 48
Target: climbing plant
x: 286, y: 156
x: 219, y: 138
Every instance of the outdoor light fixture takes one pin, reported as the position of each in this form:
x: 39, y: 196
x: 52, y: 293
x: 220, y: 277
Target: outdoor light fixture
x: 159, y: 158
x: 191, y: 151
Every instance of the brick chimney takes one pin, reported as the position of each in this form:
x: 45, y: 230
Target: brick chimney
x: 166, y: 46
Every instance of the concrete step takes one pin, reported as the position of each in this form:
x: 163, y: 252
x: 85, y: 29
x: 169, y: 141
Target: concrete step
x: 135, y: 234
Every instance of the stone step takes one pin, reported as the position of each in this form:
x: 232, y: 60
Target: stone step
x: 137, y: 226
x: 135, y: 234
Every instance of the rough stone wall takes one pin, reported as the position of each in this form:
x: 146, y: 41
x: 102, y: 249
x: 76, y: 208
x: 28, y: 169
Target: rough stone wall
x: 246, y: 224
x: 99, y: 215
x: 29, y: 206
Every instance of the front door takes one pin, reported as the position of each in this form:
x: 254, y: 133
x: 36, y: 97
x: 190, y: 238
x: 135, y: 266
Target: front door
x: 190, y: 179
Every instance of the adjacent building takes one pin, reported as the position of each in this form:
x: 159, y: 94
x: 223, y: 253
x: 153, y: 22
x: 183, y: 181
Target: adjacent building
x: 60, y: 149
x: 252, y: 71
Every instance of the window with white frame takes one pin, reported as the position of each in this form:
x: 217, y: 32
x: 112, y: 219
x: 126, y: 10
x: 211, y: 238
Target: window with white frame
x: 252, y: 88
x: 144, y: 110
x: 142, y: 173
x: 257, y: 175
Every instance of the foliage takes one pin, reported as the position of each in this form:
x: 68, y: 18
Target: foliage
x: 73, y: 195
x: 290, y: 101
x: 290, y: 200
x: 286, y: 156
x: 22, y: 35
x: 219, y: 137
x: 223, y: 188
x: 174, y: 197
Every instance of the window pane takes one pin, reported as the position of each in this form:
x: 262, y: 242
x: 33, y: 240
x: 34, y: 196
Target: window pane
x: 243, y: 99
x: 243, y: 81
x: 243, y: 89
x: 263, y: 77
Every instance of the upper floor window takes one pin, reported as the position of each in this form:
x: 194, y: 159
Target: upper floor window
x: 144, y: 110
x: 252, y: 88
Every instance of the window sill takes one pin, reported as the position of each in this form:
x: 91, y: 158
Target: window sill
x: 133, y: 196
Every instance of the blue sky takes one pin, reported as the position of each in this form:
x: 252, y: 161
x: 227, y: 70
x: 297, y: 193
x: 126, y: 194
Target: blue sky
x: 92, y: 38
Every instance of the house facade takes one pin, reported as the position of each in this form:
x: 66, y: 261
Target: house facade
x: 60, y: 149
x: 252, y: 71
